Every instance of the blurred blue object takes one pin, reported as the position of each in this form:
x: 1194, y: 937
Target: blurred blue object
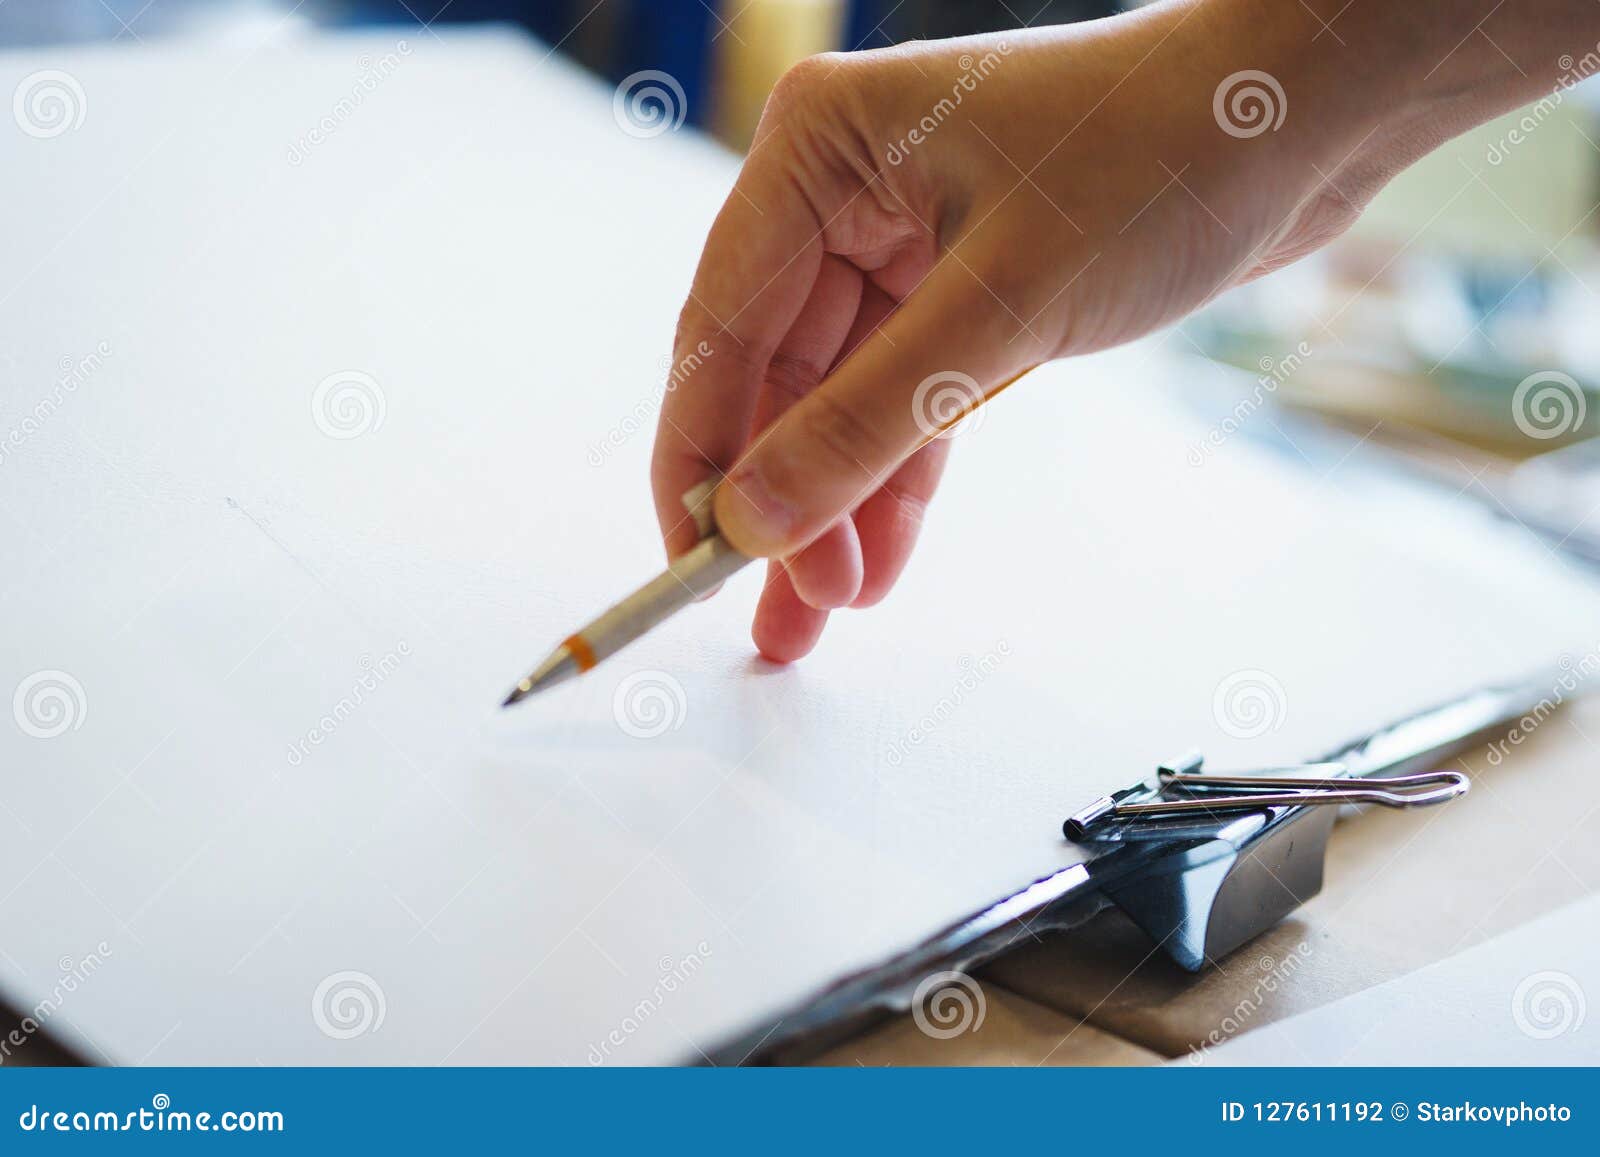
x: 34, y: 22
x: 673, y: 36
x: 616, y: 37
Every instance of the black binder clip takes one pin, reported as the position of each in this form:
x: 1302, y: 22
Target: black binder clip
x: 1201, y: 862
x: 1204, y: 862
x: 1304, y: 784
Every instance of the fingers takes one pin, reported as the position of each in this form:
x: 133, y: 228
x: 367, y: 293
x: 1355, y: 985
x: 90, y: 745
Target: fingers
x: 888, y: 522
x: 755, y: 275
x: 842, y: 441
x: 827, y: 573
x: 891, y: 519
x: 785, y: 628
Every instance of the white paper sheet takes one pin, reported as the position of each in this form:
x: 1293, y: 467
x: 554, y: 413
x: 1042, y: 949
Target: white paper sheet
x: 269, y: 864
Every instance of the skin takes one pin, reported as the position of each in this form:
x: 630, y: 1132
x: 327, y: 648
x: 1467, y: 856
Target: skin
x: 1082, y: 193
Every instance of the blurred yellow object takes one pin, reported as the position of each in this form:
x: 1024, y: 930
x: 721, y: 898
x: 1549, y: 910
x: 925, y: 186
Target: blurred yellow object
x: 761, y: 40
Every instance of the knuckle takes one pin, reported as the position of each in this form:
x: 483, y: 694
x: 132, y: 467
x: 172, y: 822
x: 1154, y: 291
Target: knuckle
x: 692, y: 324
x: 696, y: 322
x: 701, y: 339
x: 792, y: 378
x: 910, y: 507
x: 841, y: 432
x: 807, y: 83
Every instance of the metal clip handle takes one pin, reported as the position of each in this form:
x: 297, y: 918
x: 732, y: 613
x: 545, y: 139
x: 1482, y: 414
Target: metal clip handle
x: 1262, y: 791
x: 1420, y: 790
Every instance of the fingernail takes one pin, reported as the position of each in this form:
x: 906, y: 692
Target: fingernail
x: 753, y: 518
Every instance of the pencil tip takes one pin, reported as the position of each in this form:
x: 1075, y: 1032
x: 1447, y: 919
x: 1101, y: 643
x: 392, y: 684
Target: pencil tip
x: 558, y: 668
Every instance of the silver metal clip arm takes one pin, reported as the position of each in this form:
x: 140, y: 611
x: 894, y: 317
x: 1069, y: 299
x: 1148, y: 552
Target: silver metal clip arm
x: 1261, y: 791
x: 1420, y: 790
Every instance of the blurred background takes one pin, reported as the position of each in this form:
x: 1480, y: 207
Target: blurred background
x: 1455, y: 327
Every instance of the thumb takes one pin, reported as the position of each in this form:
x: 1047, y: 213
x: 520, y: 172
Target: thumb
x: 935, y: 359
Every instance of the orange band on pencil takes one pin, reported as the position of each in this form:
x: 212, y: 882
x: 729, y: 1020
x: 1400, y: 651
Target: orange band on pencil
x: 582, y: 653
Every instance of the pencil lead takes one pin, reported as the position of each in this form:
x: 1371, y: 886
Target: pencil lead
x: 558, y: 668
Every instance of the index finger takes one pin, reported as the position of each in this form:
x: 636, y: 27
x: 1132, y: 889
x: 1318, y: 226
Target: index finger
x: 759, y: 263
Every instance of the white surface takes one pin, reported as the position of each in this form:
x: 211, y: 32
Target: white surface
x: 1519, y: 999
x: 480, y: 237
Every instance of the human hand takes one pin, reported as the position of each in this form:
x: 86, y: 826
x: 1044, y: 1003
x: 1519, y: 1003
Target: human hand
x: 914, y: 227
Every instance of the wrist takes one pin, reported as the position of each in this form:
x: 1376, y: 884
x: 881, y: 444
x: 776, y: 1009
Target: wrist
x: 1348, y: 80
x: 1384, y: 83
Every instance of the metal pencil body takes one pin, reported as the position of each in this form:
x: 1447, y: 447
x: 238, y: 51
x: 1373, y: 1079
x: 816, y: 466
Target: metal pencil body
x: 692, y: 574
